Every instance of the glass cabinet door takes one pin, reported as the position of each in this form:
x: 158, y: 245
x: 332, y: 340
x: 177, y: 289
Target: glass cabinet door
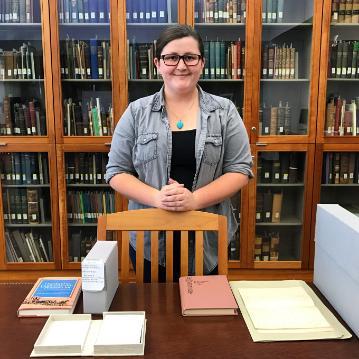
x: 144, y: 22
x: 26, y: 203
x: 340, y: 179
x: 85, y: 65
x: 280, y: 207
x: 22, y: 94
x: 87, y: 197
x: 286, y: 60
x: 342, y: 94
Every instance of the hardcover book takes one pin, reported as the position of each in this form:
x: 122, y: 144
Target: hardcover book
x: 51, y: 295
x: 206, y: 295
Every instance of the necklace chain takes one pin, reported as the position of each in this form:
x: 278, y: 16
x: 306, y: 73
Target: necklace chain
x: 179, y: 123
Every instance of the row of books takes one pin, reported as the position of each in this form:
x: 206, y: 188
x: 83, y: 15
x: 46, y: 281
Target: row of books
x: 86, y: 206
x: 268, y: 206
x: 18, y: 11
x: 345, y: 11
x: 26, y: 206
x: 340, y: 168
x: 85, y: 59
x: 222, y: 11
x: 224, y: 60
x: 266, y: 247
x: 84, y: 11
x: 344, y: 59
x: 279, y: 167
x: 24, y: 168
x: 148, y: 11
x: 24, y: 246
x: 80, y: 243
x: 272, y: 11
x: 21, y: 117
x: 342, y: 117
x: 275, y: 120
x: 87, y: 119
x: 279, y: 61
x: 85, y: 168
x: 24, y: 63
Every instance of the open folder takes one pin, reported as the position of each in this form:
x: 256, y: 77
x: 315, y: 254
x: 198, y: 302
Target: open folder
x: 285, y: 310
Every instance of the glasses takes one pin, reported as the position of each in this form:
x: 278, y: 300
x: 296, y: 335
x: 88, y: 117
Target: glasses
x: 188, y: 59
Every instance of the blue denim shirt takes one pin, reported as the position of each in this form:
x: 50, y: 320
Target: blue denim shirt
x: 142, y: 146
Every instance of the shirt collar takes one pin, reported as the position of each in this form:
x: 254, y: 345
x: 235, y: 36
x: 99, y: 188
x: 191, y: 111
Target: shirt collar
x: 206, y: 101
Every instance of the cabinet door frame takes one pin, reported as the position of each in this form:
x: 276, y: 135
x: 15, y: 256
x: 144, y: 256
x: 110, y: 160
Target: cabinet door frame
x: 322, y: 101
x: 314, y: 79
x: 308, y: 189
x: 117, y: 13
x: 56, y: 263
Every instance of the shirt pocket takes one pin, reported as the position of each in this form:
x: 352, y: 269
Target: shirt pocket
x: 146, y: 147
x: 212, y: 149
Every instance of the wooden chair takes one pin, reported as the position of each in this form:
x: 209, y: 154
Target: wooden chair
x: 155, y: 220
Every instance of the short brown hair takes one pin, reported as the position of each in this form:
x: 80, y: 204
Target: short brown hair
x: 175, y: 32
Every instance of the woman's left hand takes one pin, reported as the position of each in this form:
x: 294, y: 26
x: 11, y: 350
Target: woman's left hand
x: 181, y: 200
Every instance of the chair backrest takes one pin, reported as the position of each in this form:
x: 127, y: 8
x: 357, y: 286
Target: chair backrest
x: 155, y: 220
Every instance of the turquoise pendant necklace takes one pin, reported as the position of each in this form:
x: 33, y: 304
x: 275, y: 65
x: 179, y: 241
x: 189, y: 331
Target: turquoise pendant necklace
x: 179, y: 124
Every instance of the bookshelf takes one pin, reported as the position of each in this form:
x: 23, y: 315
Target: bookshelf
x: 270, y: 57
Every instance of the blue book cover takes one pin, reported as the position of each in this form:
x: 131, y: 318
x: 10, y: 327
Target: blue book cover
x: 129, y: 11
x: 142, y: 11
x: 135, y: 9
x: 93, y: 9
x: 86, y: 10
x: 55, y: 288
x: 148, y: 11
x: 102, y: 10
x: 162, y: 11
x: 108, y: 11
x: 154, y: 11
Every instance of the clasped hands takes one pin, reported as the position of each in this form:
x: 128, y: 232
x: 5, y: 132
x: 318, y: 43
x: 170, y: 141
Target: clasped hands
x: 175, y: 197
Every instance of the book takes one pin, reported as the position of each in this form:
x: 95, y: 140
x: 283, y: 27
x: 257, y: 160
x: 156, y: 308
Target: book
x: 51, y: 295
x: 206, y: 295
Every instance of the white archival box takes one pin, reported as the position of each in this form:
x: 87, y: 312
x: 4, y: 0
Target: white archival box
x: 100, y: 277
x: 336, y: 262
x: 118, y: 334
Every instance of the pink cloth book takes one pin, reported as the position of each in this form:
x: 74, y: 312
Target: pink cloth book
x: 207, y: 295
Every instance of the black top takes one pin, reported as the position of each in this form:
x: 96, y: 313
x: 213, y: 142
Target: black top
x: 183, y: 163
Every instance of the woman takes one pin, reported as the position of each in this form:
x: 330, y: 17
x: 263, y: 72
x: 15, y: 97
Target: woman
x: 180, y: 149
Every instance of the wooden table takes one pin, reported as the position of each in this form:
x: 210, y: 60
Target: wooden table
x: 169, y: 335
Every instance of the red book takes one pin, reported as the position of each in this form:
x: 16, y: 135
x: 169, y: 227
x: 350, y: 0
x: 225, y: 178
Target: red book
x: 206, y: 295
x: 51, y: 295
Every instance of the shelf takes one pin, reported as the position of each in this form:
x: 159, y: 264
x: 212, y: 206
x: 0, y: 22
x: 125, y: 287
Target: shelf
x: 83, y: 224
x: 285, y: 80
x: 280, y: 224
x: 221, y: 80
x: 331, y: 79
x: 341, y: 24
x: 21, y: 80
x: 18, y: 24
x: 84, y: 24
x: 28, y: 225
x: 86, y: 80
x: 287, y: 24
x: 102, y: 185
x: 277, y: 264
x: 220, y: 24
x: 280, y: 184
x: 340, y: 185
x: 149, y: 24
x: 26, y: 186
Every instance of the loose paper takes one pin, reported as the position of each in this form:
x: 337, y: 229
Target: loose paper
x: 93, y: 274
x: 282, y: 308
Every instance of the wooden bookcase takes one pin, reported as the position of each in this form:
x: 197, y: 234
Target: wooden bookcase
x: 307, y: 28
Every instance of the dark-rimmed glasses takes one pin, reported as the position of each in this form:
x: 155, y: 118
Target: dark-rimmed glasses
x: 174, y: 59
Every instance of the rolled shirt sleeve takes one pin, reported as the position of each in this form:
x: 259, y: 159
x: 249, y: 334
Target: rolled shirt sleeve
x: 237, y: 155
x: 123, y: 140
